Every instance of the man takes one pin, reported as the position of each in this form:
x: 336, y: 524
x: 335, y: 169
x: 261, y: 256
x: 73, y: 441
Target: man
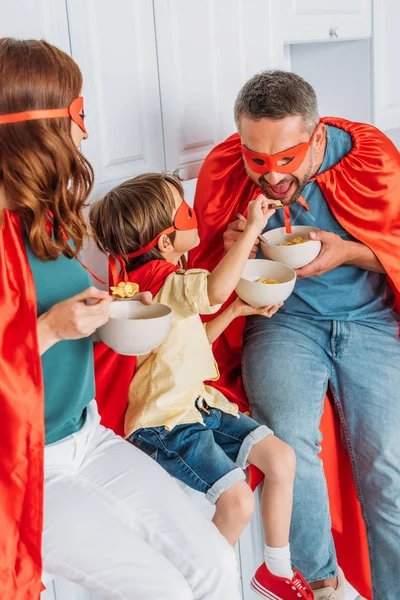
x: 338, y: 330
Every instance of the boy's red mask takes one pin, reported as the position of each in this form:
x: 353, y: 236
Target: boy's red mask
x: 185, y: 220
x: 73, y: 111
x: 290, y: 159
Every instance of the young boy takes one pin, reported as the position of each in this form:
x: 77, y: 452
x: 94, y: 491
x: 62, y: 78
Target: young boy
x: 189, y: 428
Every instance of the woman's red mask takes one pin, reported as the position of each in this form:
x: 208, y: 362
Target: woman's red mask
x: 287, y: 161
x: 185, y: 220
x: 74, y: 111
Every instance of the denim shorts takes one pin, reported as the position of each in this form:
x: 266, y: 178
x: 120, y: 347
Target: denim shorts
x: 209, y: 458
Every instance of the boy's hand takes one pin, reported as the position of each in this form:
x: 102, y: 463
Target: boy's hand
x: 144, y: 297
x: 258, y: 212
x: 242, y: 309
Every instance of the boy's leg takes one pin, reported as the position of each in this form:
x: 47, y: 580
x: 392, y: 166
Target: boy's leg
x: 245, y: 441
x: 277, y: 461
x: 191, y: 454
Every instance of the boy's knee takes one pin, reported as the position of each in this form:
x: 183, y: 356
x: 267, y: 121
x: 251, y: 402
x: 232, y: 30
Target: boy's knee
x: 281, y: 467
x: 238, y: 501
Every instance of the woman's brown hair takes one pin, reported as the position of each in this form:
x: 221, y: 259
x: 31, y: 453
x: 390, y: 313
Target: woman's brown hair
x: 41, y: 170
x: 132, y: 214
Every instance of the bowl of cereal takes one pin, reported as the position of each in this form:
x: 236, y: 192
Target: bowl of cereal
x: 293, y: 249
x: 134, y: 328
x: 265, y: 282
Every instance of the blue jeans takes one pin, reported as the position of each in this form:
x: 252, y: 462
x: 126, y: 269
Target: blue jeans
x: 209, y: 458
x: 288, y: 363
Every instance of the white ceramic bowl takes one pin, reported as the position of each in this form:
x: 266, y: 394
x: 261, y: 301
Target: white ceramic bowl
x: 261, y: 294
x: 134, y: 329
x: 296, y: 256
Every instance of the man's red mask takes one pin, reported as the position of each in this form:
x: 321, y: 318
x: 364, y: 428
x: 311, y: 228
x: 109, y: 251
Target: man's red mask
x: 287, y: 161
x: 74, y: 111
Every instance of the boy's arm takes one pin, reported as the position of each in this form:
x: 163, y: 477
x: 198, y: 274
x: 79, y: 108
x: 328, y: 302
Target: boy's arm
x: 225, y: 277
x: 218, y: 325
x: 238, y: 308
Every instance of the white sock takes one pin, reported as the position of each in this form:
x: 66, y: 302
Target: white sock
x: 278, y: 561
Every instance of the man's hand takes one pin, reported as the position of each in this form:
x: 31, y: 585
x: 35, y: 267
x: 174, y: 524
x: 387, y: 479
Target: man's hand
x: 333, y: 253
x: 233, y: 233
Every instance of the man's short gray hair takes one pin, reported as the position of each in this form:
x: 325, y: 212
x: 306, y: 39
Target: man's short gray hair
x: 277, y: 95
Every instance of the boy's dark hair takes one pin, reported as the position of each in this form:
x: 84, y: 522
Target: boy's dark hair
x: 277, y: 95
x: 132, y: 214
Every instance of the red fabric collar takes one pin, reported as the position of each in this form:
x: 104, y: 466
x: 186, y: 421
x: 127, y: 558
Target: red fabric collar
x: 151, y: 276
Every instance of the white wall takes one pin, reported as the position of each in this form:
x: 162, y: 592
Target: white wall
x: 394, y: 135
x: 340, y: 73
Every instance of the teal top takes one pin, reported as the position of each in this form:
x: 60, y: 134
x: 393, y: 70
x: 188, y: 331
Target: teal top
x: 68, y: 368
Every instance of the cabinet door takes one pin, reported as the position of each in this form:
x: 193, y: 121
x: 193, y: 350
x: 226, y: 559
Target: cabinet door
x: 114, y: 45
x: 36, y: 19
x: 322, y: 20
x: 386, y: 51
x: 206, y: 51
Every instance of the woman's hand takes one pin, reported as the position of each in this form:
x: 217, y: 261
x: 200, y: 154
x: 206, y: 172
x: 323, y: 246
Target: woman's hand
x: 245, y: 310
x: 75, y: 318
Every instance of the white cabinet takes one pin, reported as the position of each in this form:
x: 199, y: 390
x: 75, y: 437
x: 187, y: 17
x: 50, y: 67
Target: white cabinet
x: 206, y: 51
x: 386, y: 52
x: 324, y: 20
x: 42, y: 19
x: 114, y: 45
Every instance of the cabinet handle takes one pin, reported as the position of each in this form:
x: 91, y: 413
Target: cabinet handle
x: 179, y: 173
x: 333, y: 32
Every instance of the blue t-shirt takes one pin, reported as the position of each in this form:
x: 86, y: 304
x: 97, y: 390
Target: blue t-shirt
x: 346, y: 293
x: 68, y: 369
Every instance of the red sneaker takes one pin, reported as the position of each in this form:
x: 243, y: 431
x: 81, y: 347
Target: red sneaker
x: 273, y: 587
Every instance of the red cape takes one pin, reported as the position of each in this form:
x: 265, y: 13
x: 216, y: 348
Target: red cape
x: 21, y: 421
x: 363, y: 192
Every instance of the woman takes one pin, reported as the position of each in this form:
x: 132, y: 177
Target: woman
x: 113, y: 520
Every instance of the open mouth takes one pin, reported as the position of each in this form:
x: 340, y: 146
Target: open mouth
x: 277, y: 192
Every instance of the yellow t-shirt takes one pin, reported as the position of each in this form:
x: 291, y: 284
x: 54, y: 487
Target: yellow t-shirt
x: 167, y: 383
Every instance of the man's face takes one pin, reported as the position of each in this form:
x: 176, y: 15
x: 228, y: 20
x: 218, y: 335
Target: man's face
x: 272, y: 137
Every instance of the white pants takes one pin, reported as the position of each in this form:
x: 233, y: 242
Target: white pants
x: 115, y: 522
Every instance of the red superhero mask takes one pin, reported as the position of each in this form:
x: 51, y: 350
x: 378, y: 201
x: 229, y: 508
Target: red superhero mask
x: 287, y: 161
x: 74, y: 112
x: 185, y: 219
